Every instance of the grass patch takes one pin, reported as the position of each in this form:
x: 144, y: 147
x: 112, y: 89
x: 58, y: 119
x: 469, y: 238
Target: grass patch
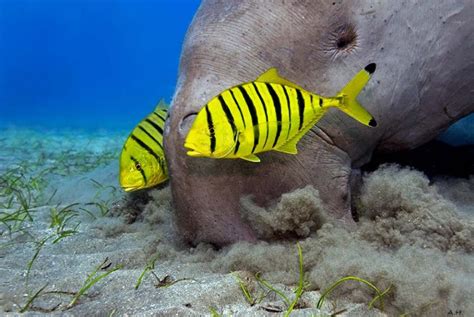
x: 214, y: 312
x: 92, y: 279
x: 31, y: 299
x: 164, y: 282
x: 150, y: 266
x: 101, y: 205
x: 30, y: 160
x: 379, y: 294
x: 290, y: 304
x: 301, y: 284
x: 20, y: 193
x: 60, y: 218
x: 167, y: 281
x: 251, y: 299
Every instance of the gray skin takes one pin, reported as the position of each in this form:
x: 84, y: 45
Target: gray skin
x: 423, y: 83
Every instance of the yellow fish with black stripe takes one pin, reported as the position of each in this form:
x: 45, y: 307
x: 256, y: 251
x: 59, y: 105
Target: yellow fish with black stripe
x: 142, y: 161
x: 270, y: 113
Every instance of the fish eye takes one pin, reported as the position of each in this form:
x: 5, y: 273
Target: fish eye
x: 138, y: 166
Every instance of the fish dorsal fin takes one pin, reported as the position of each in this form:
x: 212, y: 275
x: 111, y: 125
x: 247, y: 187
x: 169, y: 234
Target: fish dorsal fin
x: 251, y: 157
x: 289, y: 147
x: 272, y: 76
x: 161, y: 105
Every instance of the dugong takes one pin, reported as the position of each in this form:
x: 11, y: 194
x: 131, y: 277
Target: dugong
x: 423, y: 83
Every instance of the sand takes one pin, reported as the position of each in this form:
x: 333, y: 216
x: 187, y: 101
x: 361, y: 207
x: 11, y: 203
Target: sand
x: 414, y: 236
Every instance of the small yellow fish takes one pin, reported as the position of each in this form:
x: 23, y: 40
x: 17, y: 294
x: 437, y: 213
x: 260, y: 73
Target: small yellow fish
x: 142, y: 161
x: 270, y: 113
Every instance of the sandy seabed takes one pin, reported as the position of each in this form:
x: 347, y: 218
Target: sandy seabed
x: 414, y: 237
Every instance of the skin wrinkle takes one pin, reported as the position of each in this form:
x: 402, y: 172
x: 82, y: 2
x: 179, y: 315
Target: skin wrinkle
x: 217, y: 55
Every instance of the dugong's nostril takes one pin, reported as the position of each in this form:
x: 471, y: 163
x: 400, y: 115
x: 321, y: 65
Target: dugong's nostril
x: 346, y: 37
x: 186, y: 123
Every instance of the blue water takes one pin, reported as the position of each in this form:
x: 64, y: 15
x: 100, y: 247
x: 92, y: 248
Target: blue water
x: 88, y: 63
x: 98, y: 63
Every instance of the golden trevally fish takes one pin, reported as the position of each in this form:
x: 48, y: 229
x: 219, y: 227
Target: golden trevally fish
x: 270, y: 113
x: 142, y: 161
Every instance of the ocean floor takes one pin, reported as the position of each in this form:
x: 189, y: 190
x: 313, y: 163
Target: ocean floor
x: 72, y: 243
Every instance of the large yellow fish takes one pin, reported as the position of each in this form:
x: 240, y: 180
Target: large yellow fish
x: 270, y: 113
x: 142, y: 161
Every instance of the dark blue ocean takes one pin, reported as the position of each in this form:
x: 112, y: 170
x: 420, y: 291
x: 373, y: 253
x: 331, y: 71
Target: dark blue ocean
x: 98, y: 64
x: 88, y: 63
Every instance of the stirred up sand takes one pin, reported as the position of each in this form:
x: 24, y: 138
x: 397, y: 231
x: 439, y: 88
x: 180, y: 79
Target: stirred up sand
x: 414, y: 237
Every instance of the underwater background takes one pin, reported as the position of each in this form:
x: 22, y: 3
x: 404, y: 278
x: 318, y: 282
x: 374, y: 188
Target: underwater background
x: 72, y: 64
x: 88, y: 64
x: 75, y: 78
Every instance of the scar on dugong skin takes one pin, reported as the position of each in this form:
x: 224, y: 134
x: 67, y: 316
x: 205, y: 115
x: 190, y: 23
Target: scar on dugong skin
x: 422, y: 85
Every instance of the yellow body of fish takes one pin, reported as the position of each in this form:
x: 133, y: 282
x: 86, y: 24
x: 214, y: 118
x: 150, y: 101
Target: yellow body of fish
x: 270, y: 113
x: 142, y: 161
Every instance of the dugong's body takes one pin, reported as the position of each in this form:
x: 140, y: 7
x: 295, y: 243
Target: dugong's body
x: 423, y: 83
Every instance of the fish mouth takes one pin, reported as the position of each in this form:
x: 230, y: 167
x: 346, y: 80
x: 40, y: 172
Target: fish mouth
x: 130, y: 185
x: 192, y: 151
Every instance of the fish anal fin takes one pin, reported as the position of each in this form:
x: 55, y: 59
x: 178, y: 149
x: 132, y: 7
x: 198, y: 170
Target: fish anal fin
x: 272, y: 76
x: 289, y: 148
x: 251, y: 158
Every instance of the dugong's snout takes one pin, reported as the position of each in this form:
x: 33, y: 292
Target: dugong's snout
x: 206, y: 192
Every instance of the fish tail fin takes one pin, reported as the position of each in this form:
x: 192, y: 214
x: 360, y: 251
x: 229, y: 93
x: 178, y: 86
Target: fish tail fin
x: 349, y: 93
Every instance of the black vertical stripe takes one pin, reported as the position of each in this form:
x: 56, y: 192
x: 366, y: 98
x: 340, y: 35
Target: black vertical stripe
x: 253, y: 114
x: 159, y: 116
x: 141, y: 169
x: 320, y: 102
x: 289, y: 111
x: 145, y: 146
x: 237, y: 145
x: 277, y: 105
x: 157, y: 127
x: 230, y: 119
x: 148, y: 149
x: 227, y: 112
x: 238, y: 107
x: 151, y: 136
x: 265, y: 110
x: 300, y: 99
x: 212, y: 133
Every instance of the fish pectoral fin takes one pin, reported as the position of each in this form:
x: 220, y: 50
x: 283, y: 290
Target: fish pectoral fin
x: 289, y: 148
x: 251, y: 158
x: 194, y: 154
x: 272, y: 76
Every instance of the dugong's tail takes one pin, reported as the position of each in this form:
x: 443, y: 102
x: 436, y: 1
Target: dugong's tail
x: 349, y: 93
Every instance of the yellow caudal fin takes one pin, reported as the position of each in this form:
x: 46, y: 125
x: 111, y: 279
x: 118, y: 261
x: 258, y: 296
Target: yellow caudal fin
x: 349, y: 93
